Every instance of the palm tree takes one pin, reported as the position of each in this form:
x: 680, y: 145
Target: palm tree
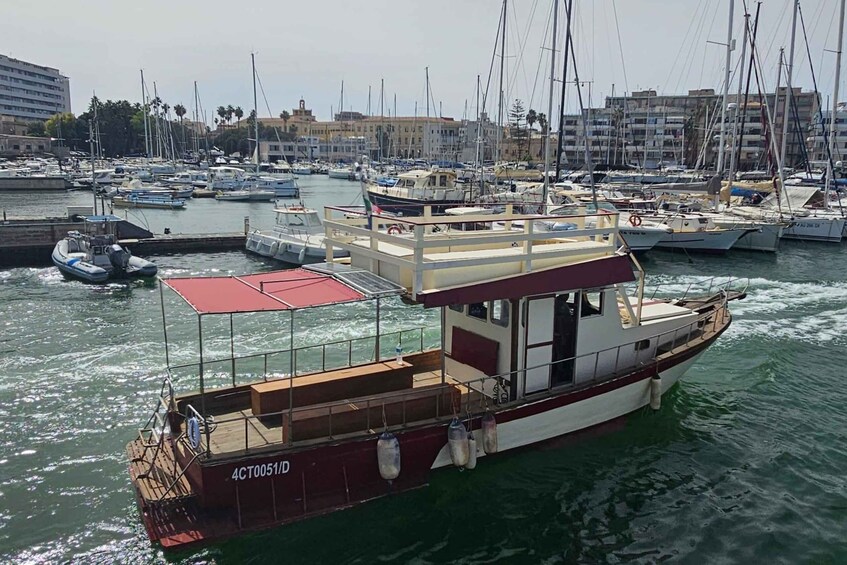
x: 239, y: 113
x: 531, y: 119
x: 285, y: 116
x: 180, y: 111
x: 222, y: 113
x: 542, y: 123
x: 230, y: 112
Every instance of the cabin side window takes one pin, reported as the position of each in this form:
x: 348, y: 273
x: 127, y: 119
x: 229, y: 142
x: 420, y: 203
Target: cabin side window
x: 591, y: 304
x: 457, y: 308
x: 478, y: 310
x: 442, y: 180
x: 500, y: 313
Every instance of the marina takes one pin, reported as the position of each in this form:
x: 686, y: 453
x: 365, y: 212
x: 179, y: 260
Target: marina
x: 567, y: 321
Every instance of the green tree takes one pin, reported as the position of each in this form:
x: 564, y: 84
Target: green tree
x: 222, y: 113
x: 239, y: 113
x: 517, y: 123
x: 36, y: 129
x: 285, y: 116
x: 118, y: 129
x: 230, y: 112
x: 72, y: 131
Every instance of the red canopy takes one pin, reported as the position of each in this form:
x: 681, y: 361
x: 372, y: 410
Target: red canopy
x: 265, y: 292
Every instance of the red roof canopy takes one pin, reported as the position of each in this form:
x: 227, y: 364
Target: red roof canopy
x: 265, y: 292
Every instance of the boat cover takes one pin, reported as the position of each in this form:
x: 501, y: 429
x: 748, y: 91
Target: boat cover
x: 264, y: 292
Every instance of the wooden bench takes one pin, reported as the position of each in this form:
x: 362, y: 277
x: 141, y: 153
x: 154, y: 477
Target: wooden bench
x: 361, y: 414
x: 331, y: 386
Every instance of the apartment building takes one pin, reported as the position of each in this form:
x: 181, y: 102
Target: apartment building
x: 30, y: 92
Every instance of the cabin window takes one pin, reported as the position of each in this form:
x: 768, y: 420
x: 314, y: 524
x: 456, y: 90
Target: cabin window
x: 457, y: 307
x: 591, y: 304
x: 478, y: 310
x: 295, y: 220
x: 642, y: 345
x: 442, y: 180
x: 500, y: 313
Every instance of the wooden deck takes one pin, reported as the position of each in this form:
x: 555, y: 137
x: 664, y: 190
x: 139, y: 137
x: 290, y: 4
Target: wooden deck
x: 155, y: 487
x: 238, y: 430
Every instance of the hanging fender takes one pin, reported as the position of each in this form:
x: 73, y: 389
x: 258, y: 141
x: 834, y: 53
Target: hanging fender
x: 194, y: 432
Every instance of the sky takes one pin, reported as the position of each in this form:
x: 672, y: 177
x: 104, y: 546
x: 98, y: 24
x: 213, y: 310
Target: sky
x: 307, y: 48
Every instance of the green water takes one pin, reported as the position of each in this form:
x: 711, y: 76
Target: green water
x: 743, y: 464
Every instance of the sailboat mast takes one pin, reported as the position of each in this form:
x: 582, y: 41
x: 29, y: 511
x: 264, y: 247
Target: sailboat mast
x: 830, y: 180
x: 255, y: 112
x: 144, y: 106
x: 502, y: 66
x: 788, y: 85
x: 550, y: 108
x: 731, y: 174
x: 381, y: 115
x: 562, y: 99
x: 729, y: 46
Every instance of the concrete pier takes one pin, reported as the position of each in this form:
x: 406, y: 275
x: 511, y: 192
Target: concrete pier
x: 33, y: 184
x: 30, y: 242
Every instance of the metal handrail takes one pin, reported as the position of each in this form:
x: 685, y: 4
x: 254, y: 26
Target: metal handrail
x: 726, y: 285
x: 691, y: 331
x: 181, y: 474
x: 695, y: 324
x: 265, y: 355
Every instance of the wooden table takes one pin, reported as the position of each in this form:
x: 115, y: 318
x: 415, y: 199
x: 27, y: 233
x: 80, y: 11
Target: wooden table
x: 330, y: 386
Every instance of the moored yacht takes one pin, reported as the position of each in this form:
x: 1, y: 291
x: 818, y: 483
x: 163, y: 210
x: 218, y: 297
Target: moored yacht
x: 298, y: 238
x: 415, y: 189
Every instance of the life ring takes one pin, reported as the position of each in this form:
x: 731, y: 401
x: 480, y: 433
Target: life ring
x: 194, y: 432
x: 634, y: 220
x: 395, y: 230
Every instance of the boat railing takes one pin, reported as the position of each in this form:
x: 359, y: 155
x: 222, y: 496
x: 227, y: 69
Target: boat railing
x: 496, y: 389
x: 310, y: 358
x: 707, y: 286
x: 420, y: 249
x: 476, y: 395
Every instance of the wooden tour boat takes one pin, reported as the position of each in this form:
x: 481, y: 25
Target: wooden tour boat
x: 541, y: 335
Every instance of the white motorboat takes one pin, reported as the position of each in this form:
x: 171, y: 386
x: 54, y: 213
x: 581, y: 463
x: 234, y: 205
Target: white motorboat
x: 692, y: 232
x: 301, y: 169
x: 281, y: 187
x: 250, y: 194
x: 297, y: 238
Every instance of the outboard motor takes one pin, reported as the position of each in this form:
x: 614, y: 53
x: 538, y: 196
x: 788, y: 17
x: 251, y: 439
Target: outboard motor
x: 118, y: 256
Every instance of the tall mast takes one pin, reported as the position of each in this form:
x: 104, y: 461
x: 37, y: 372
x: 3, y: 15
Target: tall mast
x: 426, y: 92
x: 550, y: 109
x: 830, y: 180
x: 788, y: 86
x: 144, y: 106
x: 729, y: 46
x: 502, y: 65
x: 731, y: 174
x: 255, y: 111
x: 562, y: 100
x: 381, y: 115
x: 156, y: 115
x: 196, y: 121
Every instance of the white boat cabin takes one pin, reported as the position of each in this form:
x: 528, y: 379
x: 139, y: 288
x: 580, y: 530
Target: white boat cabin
x: 298, y: 219
x: 534, y: 310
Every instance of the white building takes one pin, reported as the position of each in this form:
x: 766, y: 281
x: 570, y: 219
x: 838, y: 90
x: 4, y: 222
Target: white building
x: 32, y: 92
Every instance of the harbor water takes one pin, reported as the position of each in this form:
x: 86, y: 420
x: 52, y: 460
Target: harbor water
x: 744, y: 463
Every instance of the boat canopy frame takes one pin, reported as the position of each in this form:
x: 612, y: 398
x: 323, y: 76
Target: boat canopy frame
x: 291, y: 291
